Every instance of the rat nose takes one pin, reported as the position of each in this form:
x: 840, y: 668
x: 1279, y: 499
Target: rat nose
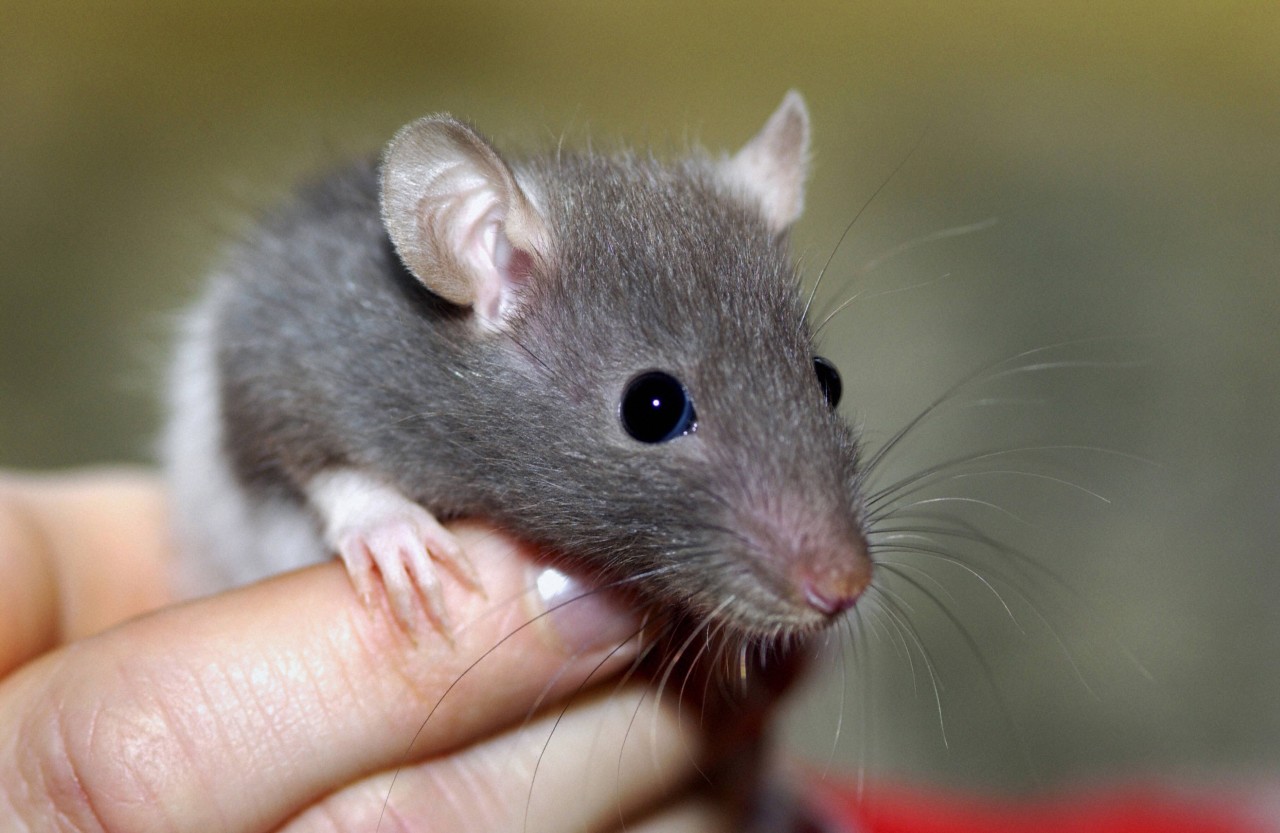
x: 832, y: 584
x: 826, y: 601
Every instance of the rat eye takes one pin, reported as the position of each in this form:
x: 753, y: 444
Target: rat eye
x: 828, y: 379
x: 656, y: 408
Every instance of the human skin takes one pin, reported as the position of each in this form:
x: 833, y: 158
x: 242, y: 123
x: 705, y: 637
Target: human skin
x: 289, y: 705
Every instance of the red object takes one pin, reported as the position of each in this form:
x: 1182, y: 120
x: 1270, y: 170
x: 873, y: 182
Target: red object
x: 885, y: 809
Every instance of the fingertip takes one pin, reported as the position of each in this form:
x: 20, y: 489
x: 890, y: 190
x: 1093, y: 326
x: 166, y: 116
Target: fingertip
x: 579, y: 617
x: 79, y: 552
x: 29, y: 620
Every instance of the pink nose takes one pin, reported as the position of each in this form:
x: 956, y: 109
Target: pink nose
x: 833, y: 584
x: 827, y: 601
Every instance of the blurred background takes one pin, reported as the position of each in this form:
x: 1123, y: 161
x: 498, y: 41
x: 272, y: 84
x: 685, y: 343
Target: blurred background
x: 1099, y: 183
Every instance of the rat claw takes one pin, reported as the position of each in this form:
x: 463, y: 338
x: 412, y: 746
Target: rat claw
x: 417, y: 560
x: 435, y: 607
x: 399, y: 588
x: 444, y: 547
x: 467, y: 572
x: 355, y: 556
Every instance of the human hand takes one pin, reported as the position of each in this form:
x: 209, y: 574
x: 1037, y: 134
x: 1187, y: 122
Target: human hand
x: 286, y: 705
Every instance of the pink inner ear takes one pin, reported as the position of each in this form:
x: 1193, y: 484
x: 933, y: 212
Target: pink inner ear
x: 498, y: 269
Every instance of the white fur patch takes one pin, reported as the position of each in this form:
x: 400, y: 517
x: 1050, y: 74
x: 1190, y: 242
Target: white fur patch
x: 223, y: 538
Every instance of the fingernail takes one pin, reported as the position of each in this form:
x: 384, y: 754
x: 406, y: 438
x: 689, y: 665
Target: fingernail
x: 579, y: 617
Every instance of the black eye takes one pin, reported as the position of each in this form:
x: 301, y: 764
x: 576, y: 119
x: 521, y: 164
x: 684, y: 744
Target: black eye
x: 828, y: 379
x: 656, y: 408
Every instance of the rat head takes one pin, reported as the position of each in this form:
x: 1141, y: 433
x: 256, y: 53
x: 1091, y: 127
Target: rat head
x: 668, y: 418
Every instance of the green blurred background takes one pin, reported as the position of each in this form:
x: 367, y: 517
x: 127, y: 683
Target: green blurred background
x: 1129, y: 155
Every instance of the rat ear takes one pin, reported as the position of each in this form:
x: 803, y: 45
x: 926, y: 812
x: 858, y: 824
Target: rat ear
x: 457, y: 216
x: 773, y: 166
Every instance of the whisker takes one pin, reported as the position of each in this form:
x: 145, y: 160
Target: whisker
x: 879, y: 294
x: 1002, y: 702
x: 896, y: 608
x: 1079, y: 600
x: 897, y: 510
x: 932, y: 471
x: 533, y: 778
x: 894, y: 566
x: 902, y: 648
x: 485, y: 655
x: 835, y: 740
x: 636, y: 665
x: 865, y: 703
x: 1057, y: 635
x: 671, y: 663
x: 994, y: 371
x: 804, y: 315
x: 680, y: 701
x: 625, y: 737
x: 932, y: 237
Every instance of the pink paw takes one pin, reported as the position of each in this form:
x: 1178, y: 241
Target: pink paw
x: 378, y: 532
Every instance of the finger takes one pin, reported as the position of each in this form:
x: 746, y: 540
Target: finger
x: 692, y: 815
x: 603, y: 763
x: 78, y: 553
x: 28, y: 585
x: 235, y: 712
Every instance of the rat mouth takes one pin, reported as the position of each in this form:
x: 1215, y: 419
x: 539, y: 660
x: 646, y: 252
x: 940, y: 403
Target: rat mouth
x: 763, y: 605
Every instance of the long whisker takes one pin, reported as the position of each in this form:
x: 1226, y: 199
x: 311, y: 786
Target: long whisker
x: 924, y: 239
x: 658, y: 639
x: 893, y: 566
x: 892, y: 175
x: 485, y: 655
x: 858, y: 295
x: 926, y: 475
x: 928, y: 553
x: 1057, y: 635
x: 671, y: 662
x: 533, y: 778
x: 898, y: 510
x: 865, y: 705
x: 1078, y: 600
x: 835, y: 740
x: 997, y: 370
x: 873, y: 264
x: 1001, y: 701
x: 895, y: 607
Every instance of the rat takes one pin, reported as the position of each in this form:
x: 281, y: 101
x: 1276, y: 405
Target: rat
x: 605, y: 354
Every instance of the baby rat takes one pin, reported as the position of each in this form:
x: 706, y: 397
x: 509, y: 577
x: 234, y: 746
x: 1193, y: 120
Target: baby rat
x: 605, y: 354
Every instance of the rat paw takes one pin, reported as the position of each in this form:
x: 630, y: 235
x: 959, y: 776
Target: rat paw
x: 381, y: 534
x: 401, y: 547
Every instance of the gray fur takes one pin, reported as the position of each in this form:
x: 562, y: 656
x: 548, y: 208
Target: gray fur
x: 327, y: 352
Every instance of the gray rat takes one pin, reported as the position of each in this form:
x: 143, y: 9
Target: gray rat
x: 606, y: 355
